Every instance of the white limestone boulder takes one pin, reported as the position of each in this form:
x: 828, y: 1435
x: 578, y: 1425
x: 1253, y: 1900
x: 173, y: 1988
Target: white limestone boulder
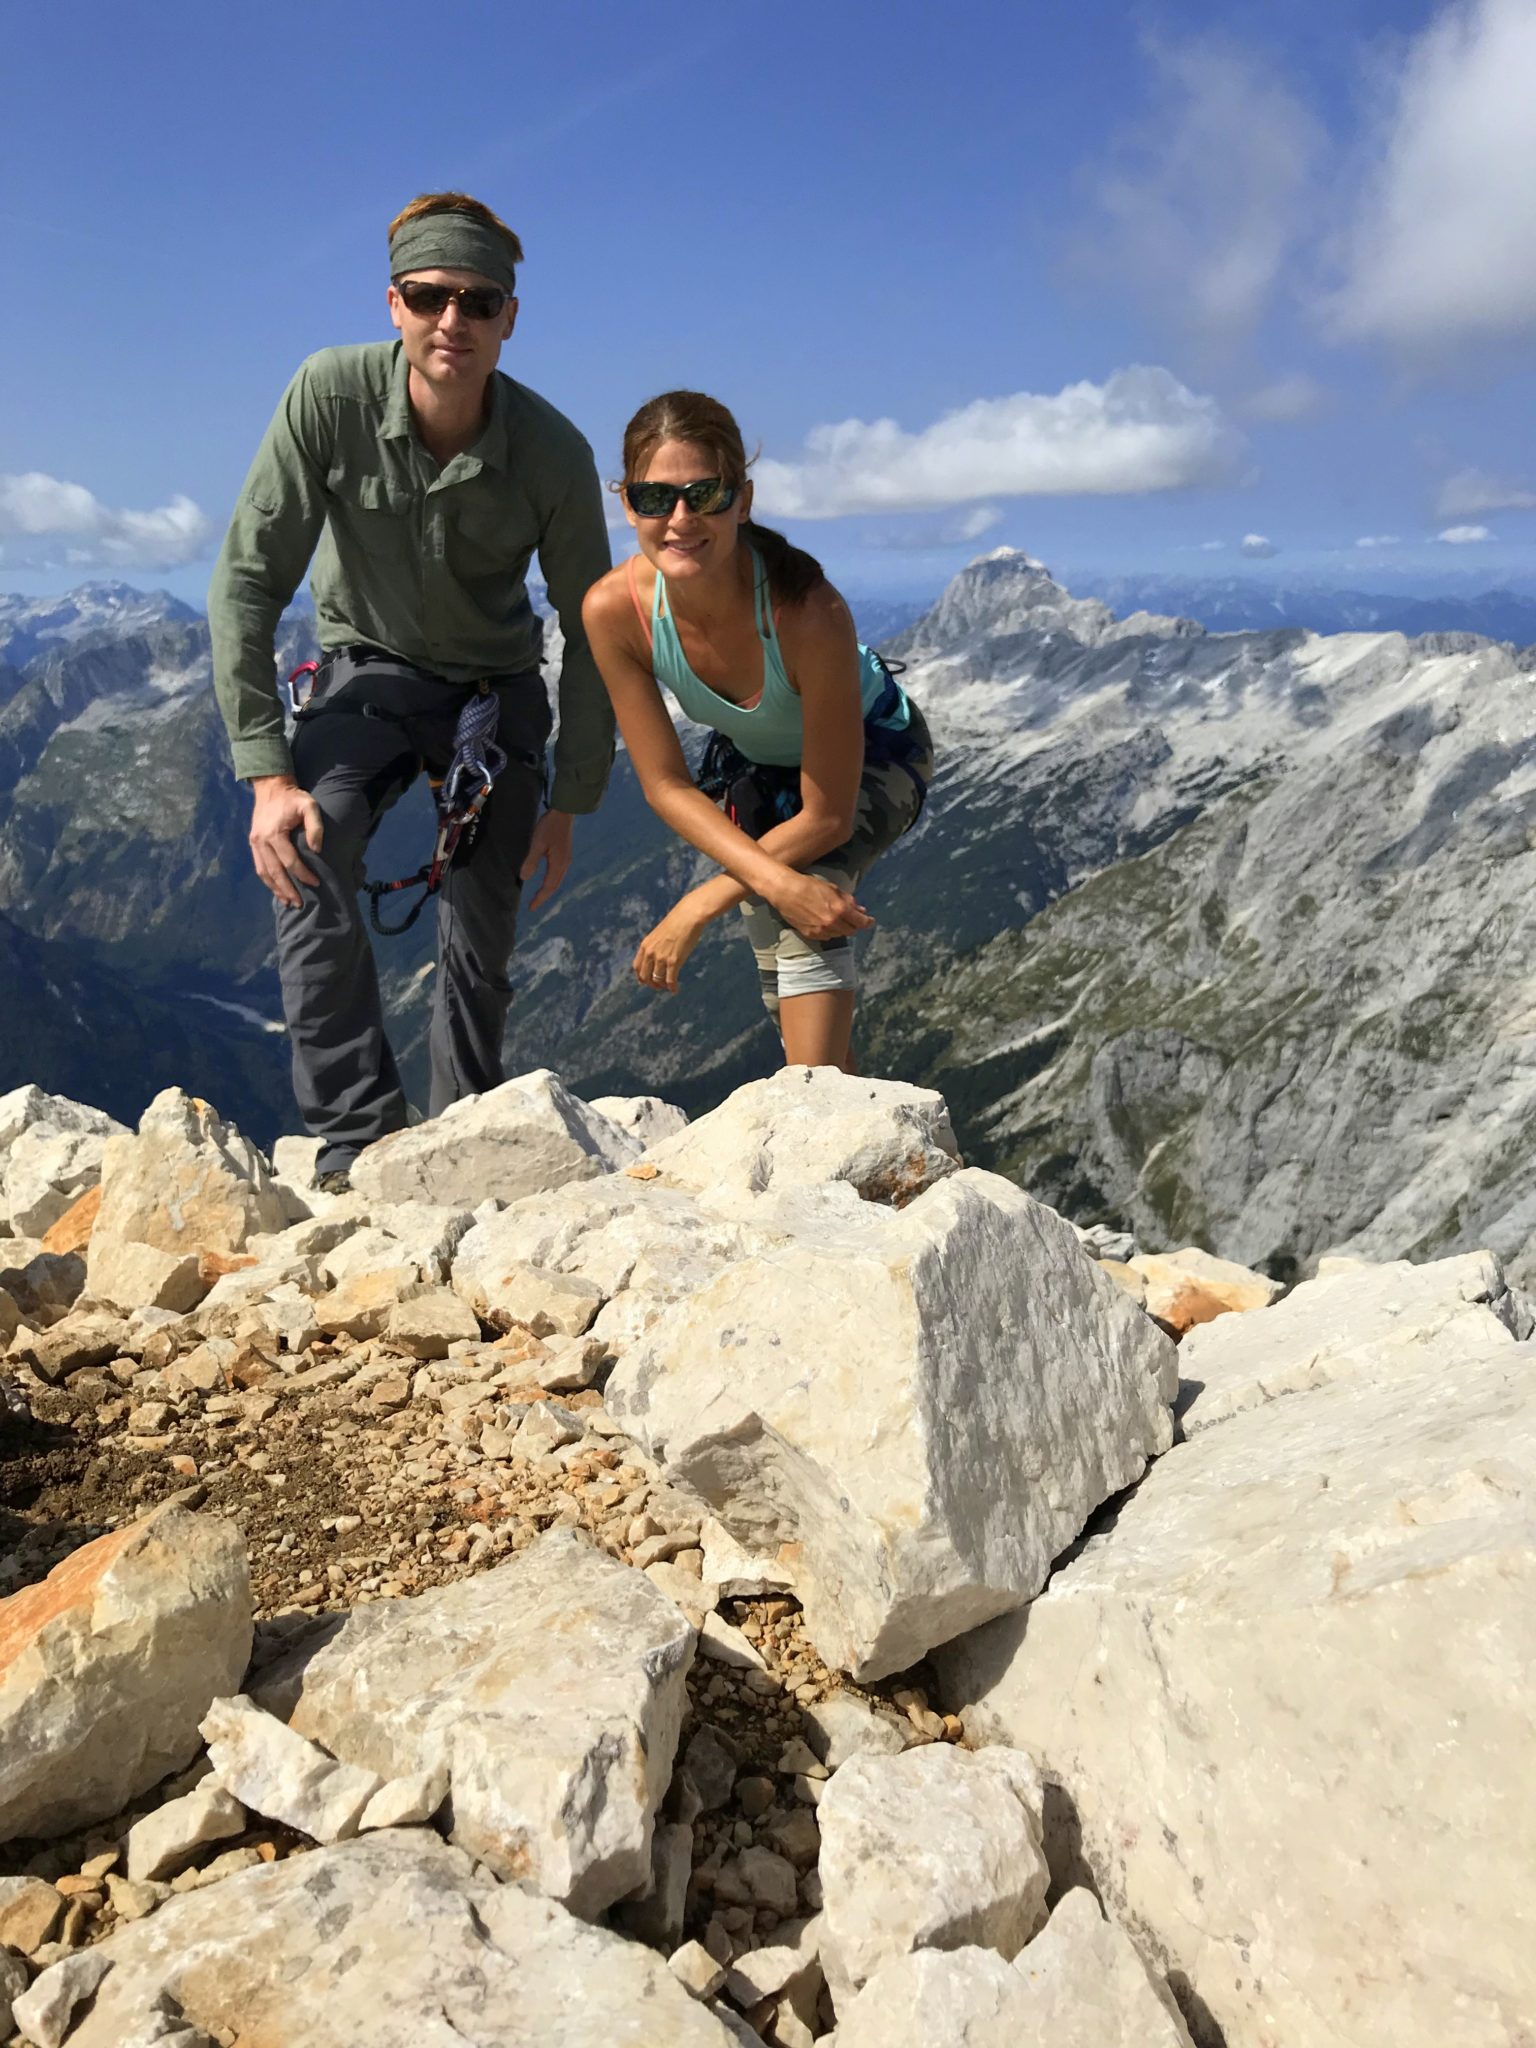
x: 525, y: 1137
x: 276, y: 1773
x: 423, y: 1233
x: 935, y: 1848
x: 394, y: 1940
x: 50, y: 1155
x: 1086, y: 1986
x: 127, y: 1275
x: 1365, y: 1322
x: 805, y: 1126
x: 646, y: 1117
x: 618, y: 1236
x: 550, y: 1689
x: 1079, y: 1984
x: 936, y: 1998
x: 184, y: 1183
x: 918, y: 1409
x: 107, y: 1667
x: 1285, y: 1702
x: 168, y: 1837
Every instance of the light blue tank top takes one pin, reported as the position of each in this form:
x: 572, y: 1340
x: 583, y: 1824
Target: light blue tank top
x: 773, y: 731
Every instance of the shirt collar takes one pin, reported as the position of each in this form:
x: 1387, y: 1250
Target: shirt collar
x: 397, y: 410
x: 494, y: 447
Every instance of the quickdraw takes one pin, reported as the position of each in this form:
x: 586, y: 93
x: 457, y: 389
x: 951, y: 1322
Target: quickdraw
x: 460, y: 796
x: 456, y: 829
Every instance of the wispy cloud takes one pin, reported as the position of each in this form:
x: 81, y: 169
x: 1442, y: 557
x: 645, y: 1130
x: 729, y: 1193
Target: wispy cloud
x: 1379, y: 540
x: 1258, y: 546
x: 1471, y: 491
x: 1140, y: 430
x: 1200, y: 203
x: 46, y: 522
x: 1464, y: 536
x: 959, y: 531
x: 1285, y: 400
x: 1442, y: 249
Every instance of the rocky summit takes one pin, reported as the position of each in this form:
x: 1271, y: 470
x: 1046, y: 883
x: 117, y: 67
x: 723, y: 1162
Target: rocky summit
x: 614, y: 1582
x: 1221, y: 938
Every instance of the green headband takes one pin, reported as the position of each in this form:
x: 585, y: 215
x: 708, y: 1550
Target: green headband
x: 451, y: 241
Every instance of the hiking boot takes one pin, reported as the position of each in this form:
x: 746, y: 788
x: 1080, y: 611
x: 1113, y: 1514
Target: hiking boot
x: 337, y: 1182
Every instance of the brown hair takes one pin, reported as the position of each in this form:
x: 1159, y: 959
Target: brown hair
x: 691, y: 416
x: 457, y: 202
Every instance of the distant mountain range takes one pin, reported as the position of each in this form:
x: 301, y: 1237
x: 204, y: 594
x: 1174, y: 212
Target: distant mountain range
x: 1227, y: 937
x: 1237, y: 604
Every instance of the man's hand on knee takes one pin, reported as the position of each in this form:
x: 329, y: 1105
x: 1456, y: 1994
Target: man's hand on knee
x: 279, y: 810
x: 551, y: 848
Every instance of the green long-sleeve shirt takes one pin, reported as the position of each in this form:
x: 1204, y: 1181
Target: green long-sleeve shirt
x: 425, y: 563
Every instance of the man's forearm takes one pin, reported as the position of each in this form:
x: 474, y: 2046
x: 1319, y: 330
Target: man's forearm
x: 242, y: 624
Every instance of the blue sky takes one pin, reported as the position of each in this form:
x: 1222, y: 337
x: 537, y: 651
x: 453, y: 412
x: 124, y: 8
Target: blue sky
x: 1122, y: 285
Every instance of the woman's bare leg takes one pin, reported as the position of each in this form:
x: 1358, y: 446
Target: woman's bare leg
x: 818, y: 1029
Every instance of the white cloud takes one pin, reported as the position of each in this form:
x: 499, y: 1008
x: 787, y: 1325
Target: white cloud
x: 1464, y: 536
x: 1379, y: 540
x: 1202, y: 202
x: 1285, y: 400
x: 1140, y: 430
x: 1258, y: 545
x: 1443, y: 246
x: 44, y: 520
x: 1471, y: 491
x: 979, y: 520
x: 1211, y: 547
x: 957, y: 532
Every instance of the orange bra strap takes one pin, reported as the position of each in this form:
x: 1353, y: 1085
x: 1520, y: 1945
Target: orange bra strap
x: 634, y: 591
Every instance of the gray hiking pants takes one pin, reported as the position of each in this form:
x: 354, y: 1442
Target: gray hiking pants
x: 356, y: 763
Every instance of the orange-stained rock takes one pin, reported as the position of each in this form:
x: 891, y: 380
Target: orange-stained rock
x: 72, y: 1232
x: 107, y: 1667
x: 1180, y: 1308
x: 213, y: 1266
x: 1191, y: 1286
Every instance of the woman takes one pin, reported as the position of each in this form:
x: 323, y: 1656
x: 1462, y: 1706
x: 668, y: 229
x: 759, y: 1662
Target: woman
x: 820, y: 758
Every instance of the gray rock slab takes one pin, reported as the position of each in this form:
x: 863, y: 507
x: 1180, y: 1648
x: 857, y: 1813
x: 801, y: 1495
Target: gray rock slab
x: 529, y: 1135
x: 805, y: 1126
x: 1282, y: 1694
x: 391, y: 1941
x: 1365, y: 1323
x: 936, y: 1848
x: 166, y: 1840
x: 278, y: 1774
x: 551, y: 1689
x: 921, y: 1408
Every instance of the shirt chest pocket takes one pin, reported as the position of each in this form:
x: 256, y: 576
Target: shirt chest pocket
x: 490, y: 535
x: 369, y: 513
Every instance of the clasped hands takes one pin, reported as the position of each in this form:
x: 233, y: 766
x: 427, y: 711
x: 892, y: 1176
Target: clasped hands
x: 818, y: 910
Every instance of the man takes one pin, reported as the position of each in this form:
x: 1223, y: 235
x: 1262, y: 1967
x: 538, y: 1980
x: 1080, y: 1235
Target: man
x: 425, y: 479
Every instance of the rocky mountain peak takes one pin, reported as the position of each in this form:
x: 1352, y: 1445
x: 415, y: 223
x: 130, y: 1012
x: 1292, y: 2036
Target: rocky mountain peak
x: 30, y: 626
x: 1007, y: 593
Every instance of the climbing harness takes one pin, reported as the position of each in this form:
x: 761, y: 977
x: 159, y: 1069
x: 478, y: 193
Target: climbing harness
x: 459, y: 796
x: 757, y: 796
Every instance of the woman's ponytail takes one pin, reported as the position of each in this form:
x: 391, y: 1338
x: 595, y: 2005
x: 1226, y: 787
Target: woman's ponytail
x: 792, y: 573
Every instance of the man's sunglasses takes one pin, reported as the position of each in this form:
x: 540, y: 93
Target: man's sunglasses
x: 657, y: 501
x: 474, y: 301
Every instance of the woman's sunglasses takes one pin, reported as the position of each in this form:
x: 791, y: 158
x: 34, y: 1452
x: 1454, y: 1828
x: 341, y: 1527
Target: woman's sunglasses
x: 474, y: 301
x: 656, y: 501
